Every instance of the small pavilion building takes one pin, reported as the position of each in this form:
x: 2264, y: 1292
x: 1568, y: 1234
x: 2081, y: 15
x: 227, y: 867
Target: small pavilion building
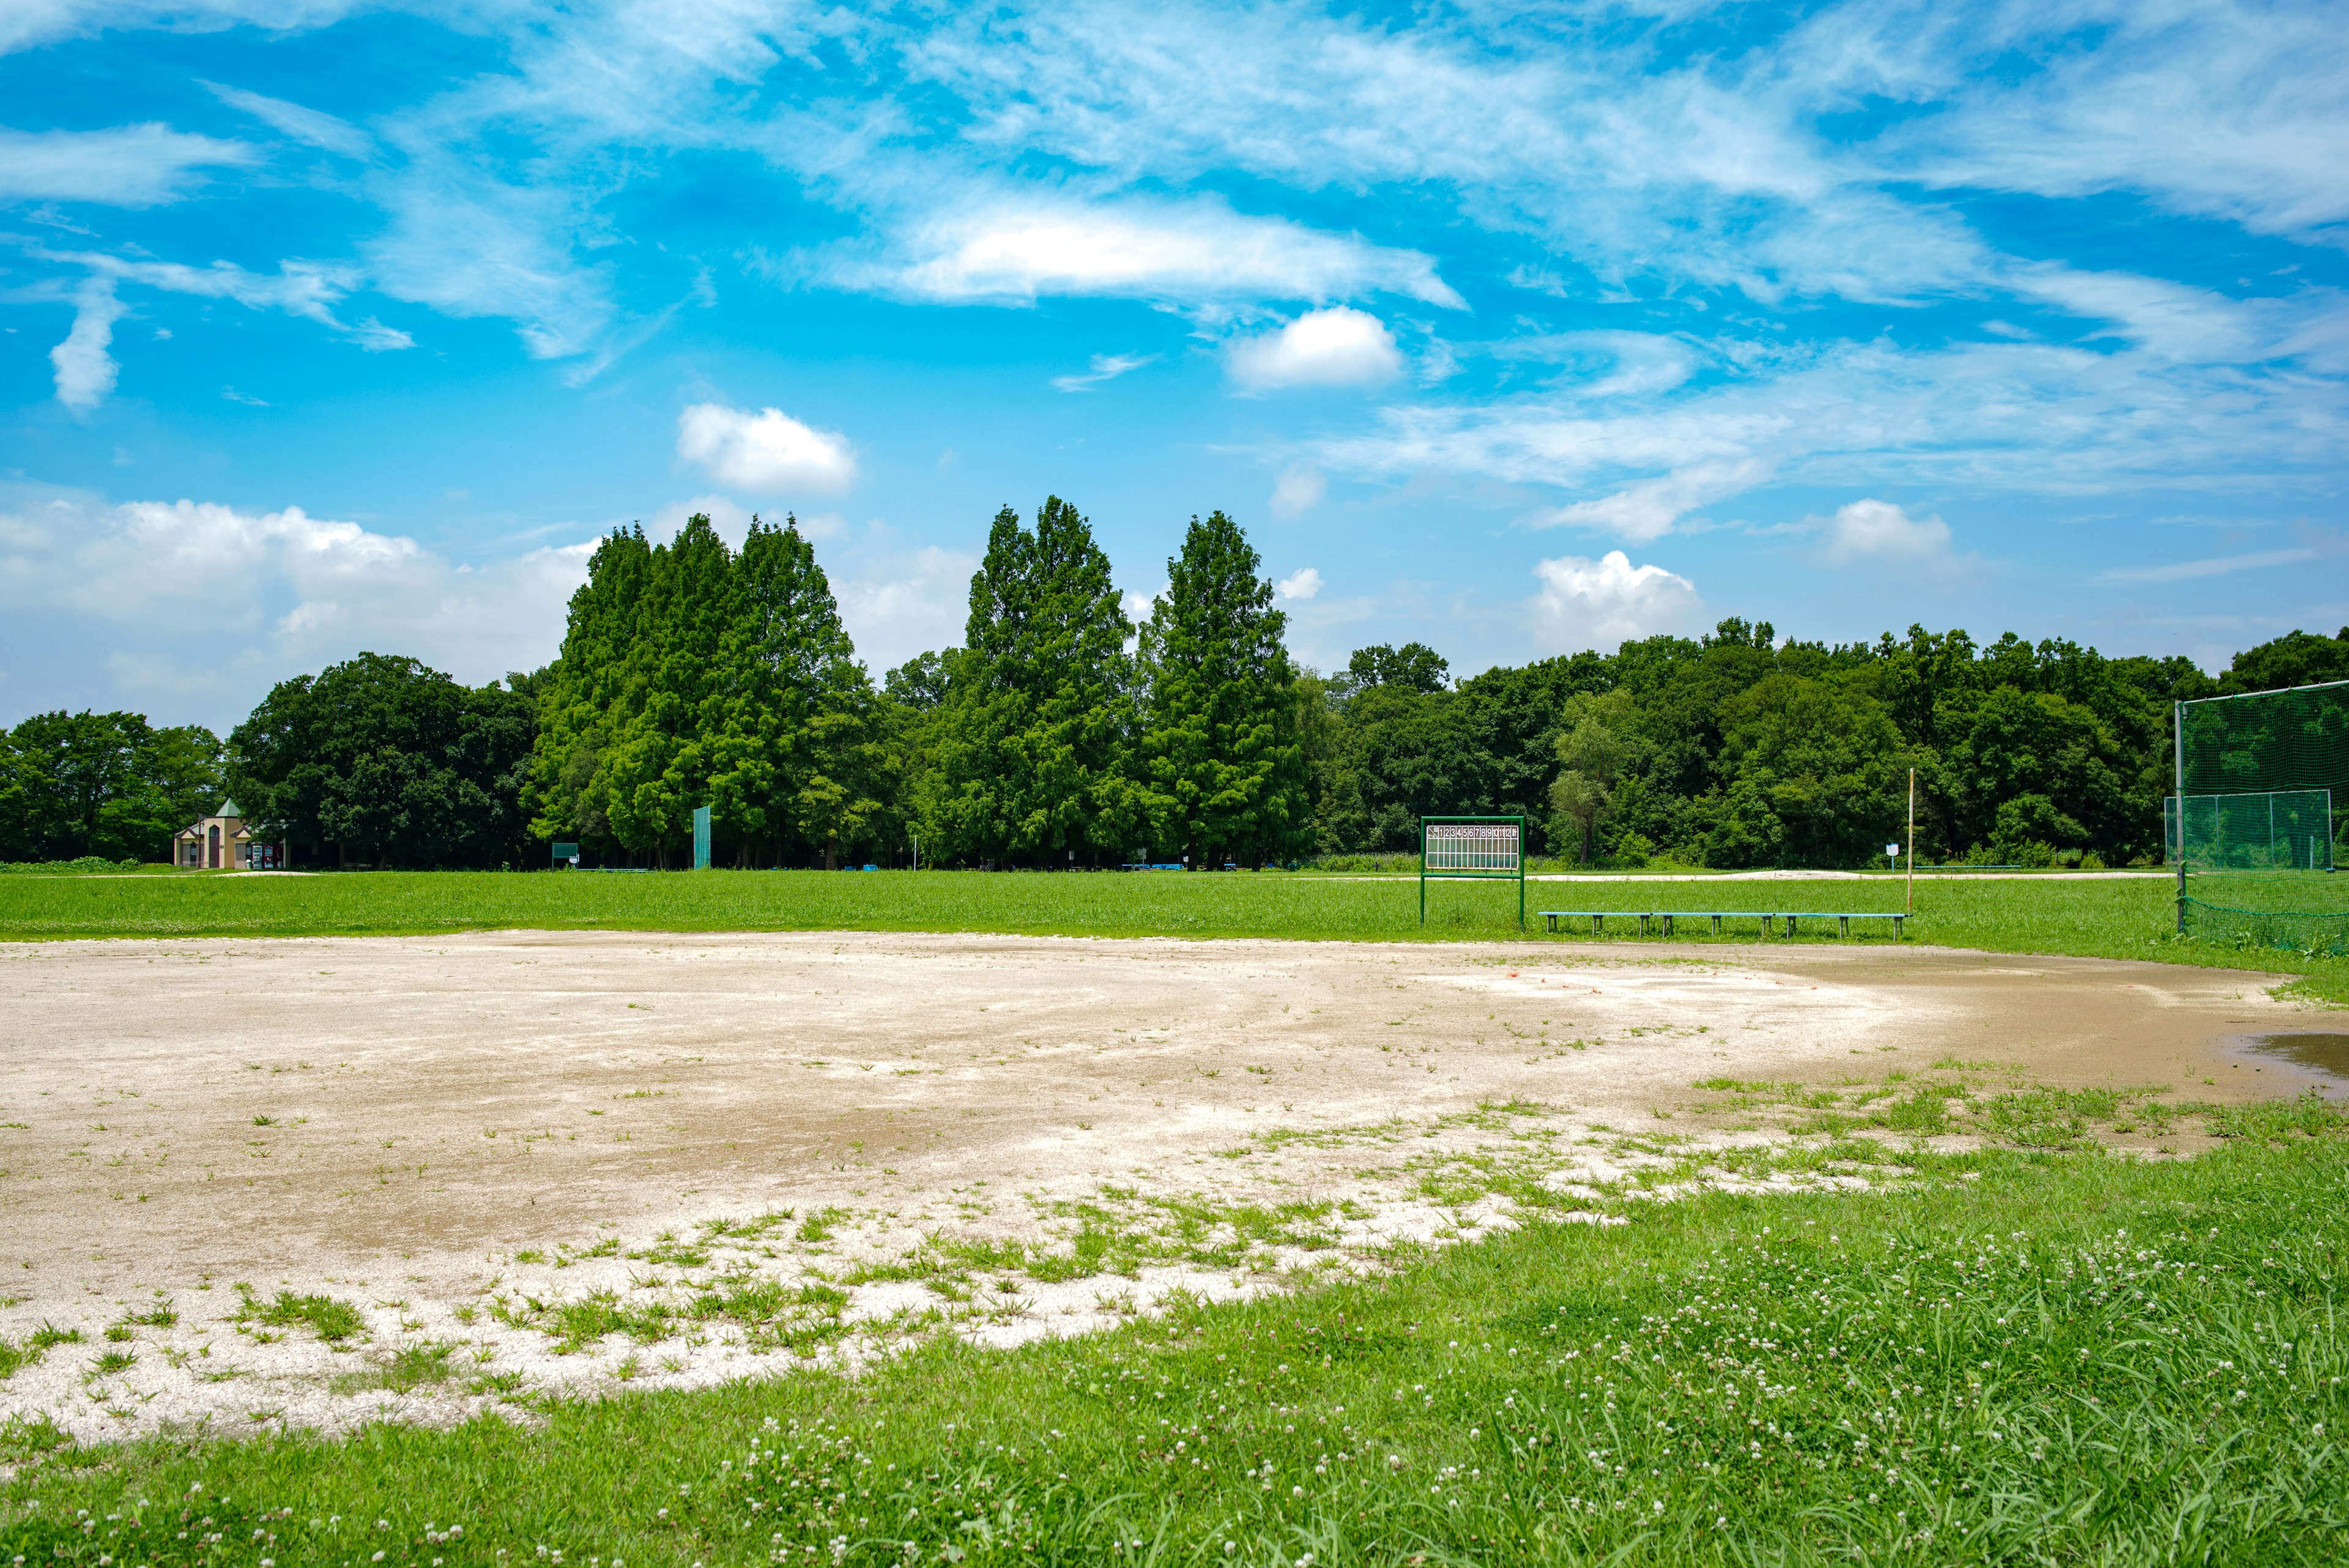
x: 222, y: 842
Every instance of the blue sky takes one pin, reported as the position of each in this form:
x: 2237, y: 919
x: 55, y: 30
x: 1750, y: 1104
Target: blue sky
x: 1513, y: 328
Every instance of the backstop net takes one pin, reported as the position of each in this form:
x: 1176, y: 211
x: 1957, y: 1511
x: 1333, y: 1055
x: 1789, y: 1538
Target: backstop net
x: 2275, y: 830
x: 2253, y: 828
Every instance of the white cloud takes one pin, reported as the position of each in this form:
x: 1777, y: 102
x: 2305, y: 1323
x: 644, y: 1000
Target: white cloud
x: 470, y: 245
x: 2185, y: 571
x: 768, y: 452
x: 898, y: 603
x: 2014, y: 416
x: 1300, y: 584
x: 1647, y: 510
x: 85, y: 370
x: 306, y: 289
x: 1337, y: 346
x: 319, y: 130
x: 290, y: 592
x: 1298, y: 491
x: 1601, y: 604
x: 129, y: 166
x: 26, y: 23
x: 1015, y: 250
x: 1870, y: 530
x: 1103, y: 367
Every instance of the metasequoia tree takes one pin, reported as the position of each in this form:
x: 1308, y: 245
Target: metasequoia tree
x: 1219, y: 751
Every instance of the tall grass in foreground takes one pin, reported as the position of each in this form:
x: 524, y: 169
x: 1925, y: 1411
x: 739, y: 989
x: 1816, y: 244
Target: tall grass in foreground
x: 2019, y: 1360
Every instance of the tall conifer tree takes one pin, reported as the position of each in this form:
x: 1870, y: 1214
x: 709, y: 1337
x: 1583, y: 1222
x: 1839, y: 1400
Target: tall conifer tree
x: 803, y: 761
x: 1030, y: 744
x: 1219, y: 752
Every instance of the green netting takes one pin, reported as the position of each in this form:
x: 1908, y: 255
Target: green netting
x: 2252, y: 828
x: 2298, y: 930
x: 2278, y: 830
x: 2292, y: 739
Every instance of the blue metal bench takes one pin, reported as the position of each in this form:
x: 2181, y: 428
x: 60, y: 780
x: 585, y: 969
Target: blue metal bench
x: 1664, y: 918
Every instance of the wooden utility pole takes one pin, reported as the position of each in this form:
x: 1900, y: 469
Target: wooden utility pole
x: 1913, y: 841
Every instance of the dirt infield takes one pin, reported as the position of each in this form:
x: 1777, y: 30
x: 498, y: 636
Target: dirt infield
x: 545, y: 1162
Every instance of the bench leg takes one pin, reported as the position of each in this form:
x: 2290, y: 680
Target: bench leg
x: 1595, y: 922
x: 1790, y: 926
x: 1843, y: 927
x: 1896, y: 926
x: 1668, y: 927
x: 1716, y: 924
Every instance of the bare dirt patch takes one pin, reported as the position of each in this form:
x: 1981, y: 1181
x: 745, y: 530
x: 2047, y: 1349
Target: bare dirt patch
x: 536, y: 1163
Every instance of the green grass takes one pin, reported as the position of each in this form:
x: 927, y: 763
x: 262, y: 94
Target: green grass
x: 2021, y: 1358
x: 330, y: 1320
x: 2115, y: 919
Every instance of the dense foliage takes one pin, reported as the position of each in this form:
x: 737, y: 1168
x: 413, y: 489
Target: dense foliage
x: 693, y: 674
x: 1061, y: 733
x: 1736, y: 749
x: 381, y: 761
x: 109, y: 785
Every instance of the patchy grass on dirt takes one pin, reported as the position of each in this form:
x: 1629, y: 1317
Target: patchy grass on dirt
x: 2013, y: 1358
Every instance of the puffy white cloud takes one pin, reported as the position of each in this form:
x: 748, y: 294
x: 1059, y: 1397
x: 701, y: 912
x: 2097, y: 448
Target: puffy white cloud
x: 1599, y: 604
x: 1337, y: 347
x: 127, y: 166
x: 1016, y: 249
x: 1300, y: 584
x: 1299, y: 490
x: 85, y: 370
x: 1870, y: 530
x: 768, y: 451
x: 207, y: 603
x: 895, y: 602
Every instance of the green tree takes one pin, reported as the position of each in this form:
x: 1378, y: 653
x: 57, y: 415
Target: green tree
x: 1219, y: 751
x: 1595, y: 744
x: 1823, y: 762
x: 803, y: 757
x: 591, y: 695
x: 387, y: 762
x: 1030, y: 741
x: 108, y: 785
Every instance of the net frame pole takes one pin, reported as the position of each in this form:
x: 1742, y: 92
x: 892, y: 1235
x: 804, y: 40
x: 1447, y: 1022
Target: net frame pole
x: 1910, y: 907
x: 2177, y: 727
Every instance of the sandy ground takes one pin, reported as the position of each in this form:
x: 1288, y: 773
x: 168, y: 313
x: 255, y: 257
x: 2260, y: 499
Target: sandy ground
x: 459, y: 1135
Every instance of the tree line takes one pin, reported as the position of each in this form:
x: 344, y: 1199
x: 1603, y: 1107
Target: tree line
x: 1059, y: 732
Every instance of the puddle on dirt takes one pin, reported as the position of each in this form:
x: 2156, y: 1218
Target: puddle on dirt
x: 2320, y: 1055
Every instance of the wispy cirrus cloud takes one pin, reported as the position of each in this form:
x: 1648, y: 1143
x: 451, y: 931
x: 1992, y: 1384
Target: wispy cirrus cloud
x: 85, y: 372
x: 2210, y: 566
x: 1101, y: 368
x: 127, y: 166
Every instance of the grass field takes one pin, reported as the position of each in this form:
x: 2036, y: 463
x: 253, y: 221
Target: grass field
x: 2121, y: 917
x: 2014, y: 1359
x: 2002, y: 1357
